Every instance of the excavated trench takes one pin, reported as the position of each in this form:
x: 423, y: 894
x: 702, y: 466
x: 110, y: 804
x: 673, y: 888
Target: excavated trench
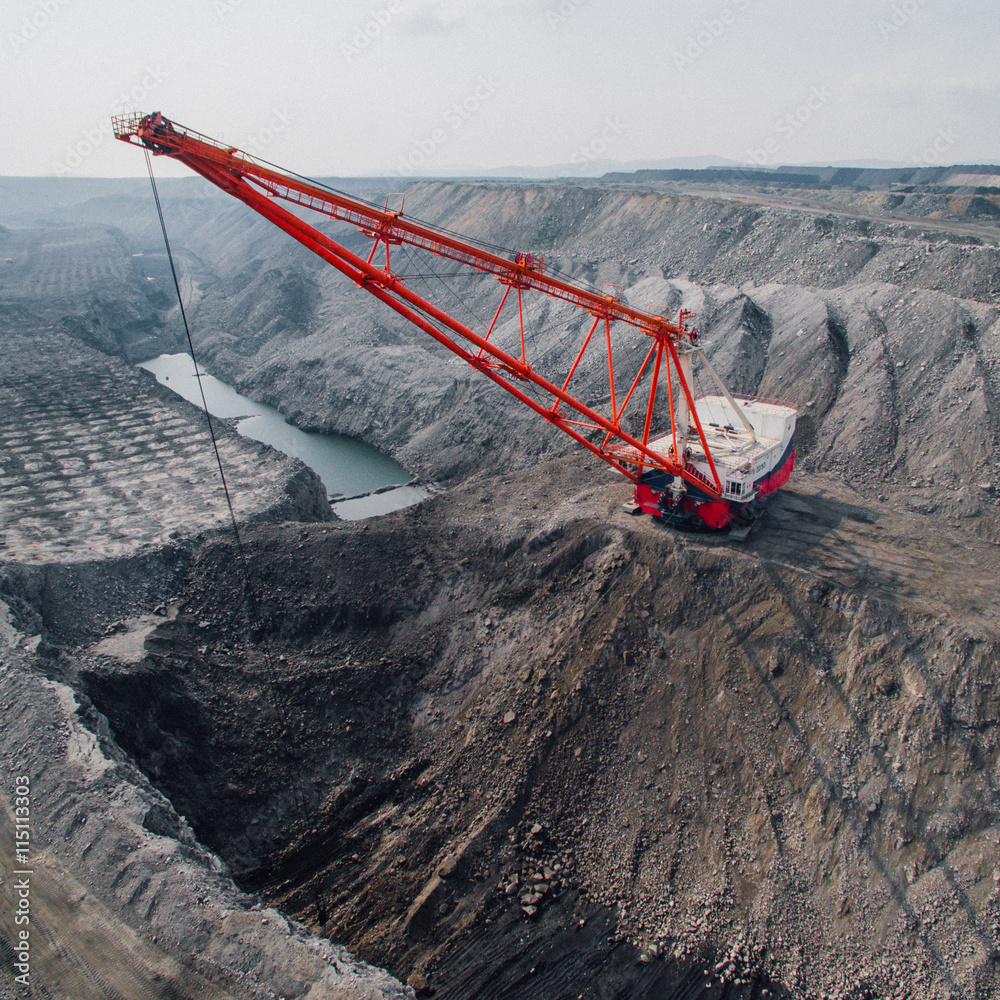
x: 376, y: 789
x: 513, y: 742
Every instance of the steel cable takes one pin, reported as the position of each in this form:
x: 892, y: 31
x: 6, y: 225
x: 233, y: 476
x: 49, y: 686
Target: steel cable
x: 248, y: 585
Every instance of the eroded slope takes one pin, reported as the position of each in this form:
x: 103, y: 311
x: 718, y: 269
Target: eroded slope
x: 886, y: 337
x: 514, y: 709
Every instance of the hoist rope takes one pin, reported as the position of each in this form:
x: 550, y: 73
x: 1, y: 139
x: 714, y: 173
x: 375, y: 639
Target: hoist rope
x: 248, y: 585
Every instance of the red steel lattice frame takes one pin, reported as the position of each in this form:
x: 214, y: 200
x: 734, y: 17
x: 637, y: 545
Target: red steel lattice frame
x: 260, y: 186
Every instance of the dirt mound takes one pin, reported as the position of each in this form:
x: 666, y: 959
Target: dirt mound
x: 512, y: 729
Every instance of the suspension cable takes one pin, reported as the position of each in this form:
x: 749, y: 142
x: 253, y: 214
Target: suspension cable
x: 248, y: 584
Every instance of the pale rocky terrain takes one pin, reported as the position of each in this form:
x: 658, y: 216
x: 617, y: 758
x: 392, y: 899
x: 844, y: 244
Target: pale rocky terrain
x: 512, y: 742
x: 886, y: 336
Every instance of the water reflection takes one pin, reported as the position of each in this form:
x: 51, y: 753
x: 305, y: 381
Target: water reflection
x: 346, y: 466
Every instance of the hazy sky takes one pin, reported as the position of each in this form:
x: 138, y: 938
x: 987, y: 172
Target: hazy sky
x: 389, y: 86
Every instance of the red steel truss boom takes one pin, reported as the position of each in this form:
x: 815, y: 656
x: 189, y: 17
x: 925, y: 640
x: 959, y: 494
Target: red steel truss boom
x: 597, y: 427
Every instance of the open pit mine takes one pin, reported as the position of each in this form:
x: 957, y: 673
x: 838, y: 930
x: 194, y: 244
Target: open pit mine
x: 581, y: 723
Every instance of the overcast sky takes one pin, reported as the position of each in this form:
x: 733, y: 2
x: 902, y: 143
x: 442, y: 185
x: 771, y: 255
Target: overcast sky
x: 394, y: 86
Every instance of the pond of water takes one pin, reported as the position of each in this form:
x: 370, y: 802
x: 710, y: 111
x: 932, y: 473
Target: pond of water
x: 348, y: 467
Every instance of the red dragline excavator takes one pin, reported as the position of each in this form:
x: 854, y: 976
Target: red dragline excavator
x: 723, y: 455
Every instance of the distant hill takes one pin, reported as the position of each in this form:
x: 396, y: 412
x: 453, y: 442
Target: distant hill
x: 583, y: 166
x: 864, y: 164
x: 959, y: 176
